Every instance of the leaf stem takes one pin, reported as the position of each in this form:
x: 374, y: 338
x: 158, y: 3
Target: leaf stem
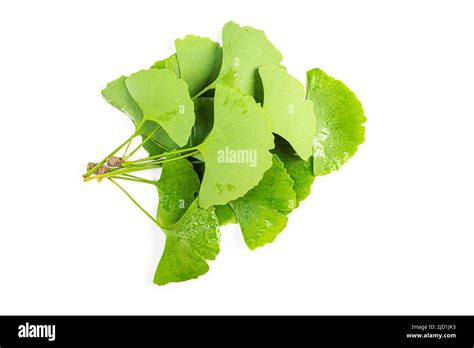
x: 151, y: 162
x: 126, y: 149
x: 138, y: 177
x: 123, y: 170
x: 166, y: 154
x: 144, y: 141
x: 98, y: 165
x: 159, y: 145
x: 134, y: 201
x: 135, y: 179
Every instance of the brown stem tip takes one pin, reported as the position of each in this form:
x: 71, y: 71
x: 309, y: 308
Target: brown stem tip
x: 91, y: 165
x: 115, y: 161
x: 102, y: 170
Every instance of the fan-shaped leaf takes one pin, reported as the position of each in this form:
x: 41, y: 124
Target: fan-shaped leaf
x: 245, y: 49
x: 300, y: 171
x: 189, y: 243
x: 292, y: 116
x: 261, y: 212
x: 199, y: 61
x: 204, y: 111
x: 164, y: 99
x: 225, y: 214
x: 117, y: 95
x: 236, y: 151
x: 178, y: 187
x: 170, y: 63
x: 339, y: 119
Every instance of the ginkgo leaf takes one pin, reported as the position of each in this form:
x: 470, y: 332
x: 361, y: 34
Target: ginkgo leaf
x: 225, y: 214
x: 204, y: 111
x: 245, y: 49
x: 236, y: 151
x: 204, y: 114
x: 164, y: 99
x: 236, y: 138
x: 178, y: 187
x: 292, y: 115
x: 170, y: 63
x: 199, y: 60
x: 261, y: 212
x: 189, y: 243
x: 300, y: 171
x: 159, y: 143
x: 339, y: 119
x: 117, y: 95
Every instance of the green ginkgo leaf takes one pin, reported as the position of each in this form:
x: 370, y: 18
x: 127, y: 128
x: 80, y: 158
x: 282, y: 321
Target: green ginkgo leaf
x: 204, y: 111
x: 261, y: 213
x: 189, y: 243
x: 246, y: 49
x: 292, y: 115
x: 236, y: 151
x: 164, y: 99
x: 300, y: 171
x: 225, y: 214
x: 339, y: 119
x: 237, y: 140
x: 170, y: 63
x: 159, y: 143
x: 178, y: 187
x: 199, y: 60
x: 117, y: 95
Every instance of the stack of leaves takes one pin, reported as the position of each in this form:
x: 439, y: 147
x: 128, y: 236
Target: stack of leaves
x: 237, y: 140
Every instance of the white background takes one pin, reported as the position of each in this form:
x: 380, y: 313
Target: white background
x: 390, y: 233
